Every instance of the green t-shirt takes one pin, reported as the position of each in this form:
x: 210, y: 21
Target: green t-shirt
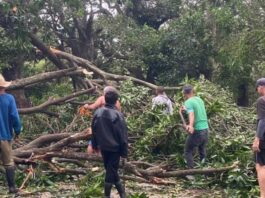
x: 196, y: 105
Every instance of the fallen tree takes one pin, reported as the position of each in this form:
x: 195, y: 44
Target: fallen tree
x: 44, y: 77
x: 56, y: 151
x: 104, y: 75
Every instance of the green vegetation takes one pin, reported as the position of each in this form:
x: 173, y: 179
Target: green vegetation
x: 217, y: 46
x: 231, y: 134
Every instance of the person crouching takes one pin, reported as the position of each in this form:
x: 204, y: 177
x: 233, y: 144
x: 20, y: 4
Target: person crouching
x: 109, y: 134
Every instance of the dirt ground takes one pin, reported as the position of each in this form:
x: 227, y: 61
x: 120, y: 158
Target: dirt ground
x: 152, y: 191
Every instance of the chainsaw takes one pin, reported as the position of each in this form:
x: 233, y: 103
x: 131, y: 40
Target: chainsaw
x: 84, y: 112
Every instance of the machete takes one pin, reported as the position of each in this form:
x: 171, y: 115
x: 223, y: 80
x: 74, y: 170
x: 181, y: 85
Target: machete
x: 182, y: 119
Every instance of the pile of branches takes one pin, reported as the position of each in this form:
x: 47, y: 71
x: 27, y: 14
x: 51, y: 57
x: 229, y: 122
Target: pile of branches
x: 60, y: 149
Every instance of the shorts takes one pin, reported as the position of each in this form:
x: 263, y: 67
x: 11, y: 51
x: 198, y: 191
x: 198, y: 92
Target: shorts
x: 260, y: 157
x: 6, y: 153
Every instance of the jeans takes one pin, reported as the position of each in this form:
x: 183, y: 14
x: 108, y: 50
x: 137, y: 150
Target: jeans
x: 197, y: 139
x: 111, y: 163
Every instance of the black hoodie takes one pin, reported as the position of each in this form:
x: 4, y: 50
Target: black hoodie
x: 109, y: 130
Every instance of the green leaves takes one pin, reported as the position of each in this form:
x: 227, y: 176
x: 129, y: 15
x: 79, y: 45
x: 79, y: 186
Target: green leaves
x: 133, y: 97
x: 157, y: 136
x: 138, y: 195
x: 92, y: 185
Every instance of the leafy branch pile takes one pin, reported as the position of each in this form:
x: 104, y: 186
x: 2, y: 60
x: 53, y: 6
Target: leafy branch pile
x: 156, y: 145
x: 161, y: 138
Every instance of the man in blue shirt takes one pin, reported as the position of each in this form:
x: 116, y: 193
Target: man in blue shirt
x: 9, y: 123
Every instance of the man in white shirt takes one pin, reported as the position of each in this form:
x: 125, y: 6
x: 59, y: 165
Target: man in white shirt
x: 162, y: 100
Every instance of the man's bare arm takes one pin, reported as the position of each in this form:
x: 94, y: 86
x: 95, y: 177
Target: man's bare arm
x: 191, y: 122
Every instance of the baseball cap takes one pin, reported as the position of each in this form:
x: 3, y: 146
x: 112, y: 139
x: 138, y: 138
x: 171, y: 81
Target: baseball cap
x: 187, y: 89
x: 260, y: 82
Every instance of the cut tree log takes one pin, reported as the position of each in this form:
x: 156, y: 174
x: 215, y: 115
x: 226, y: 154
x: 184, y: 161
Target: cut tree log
x: 45, y: 139
x: 56, y: 146
x: 69, y: 155
x: 180, y: 173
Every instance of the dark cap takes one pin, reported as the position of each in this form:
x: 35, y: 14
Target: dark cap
x: 260, y: 82
x: 187, y: 89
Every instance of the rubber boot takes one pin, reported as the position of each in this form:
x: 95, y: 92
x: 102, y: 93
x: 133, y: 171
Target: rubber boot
x: 120, y: 189
x: 107, y: 189
x: 10, y: 178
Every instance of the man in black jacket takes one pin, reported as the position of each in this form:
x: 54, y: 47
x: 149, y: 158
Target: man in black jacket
x: 109, y: 132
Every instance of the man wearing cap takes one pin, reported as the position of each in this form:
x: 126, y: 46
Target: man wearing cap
x: 9, y: 123
x: 100, y: 102
x: 259, y: 141
x: 197, y: 127
x: 162, y: 100
x: 109, y: 134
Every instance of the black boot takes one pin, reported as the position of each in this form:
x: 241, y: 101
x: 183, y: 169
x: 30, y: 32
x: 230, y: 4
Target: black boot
x: 107, y: 189
x: 10, y: 178
x: 120, y: 189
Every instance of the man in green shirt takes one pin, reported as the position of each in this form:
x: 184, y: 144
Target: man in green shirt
x: 197, y: 127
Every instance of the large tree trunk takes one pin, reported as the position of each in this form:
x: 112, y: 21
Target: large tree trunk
x: 81, y: 38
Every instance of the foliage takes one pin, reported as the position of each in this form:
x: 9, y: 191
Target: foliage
x: 92, y: 185
x: 130, y: 98
x: 231, y: 132
x: 139, y: 195
x: 187, y: 45
x: 159, y: 41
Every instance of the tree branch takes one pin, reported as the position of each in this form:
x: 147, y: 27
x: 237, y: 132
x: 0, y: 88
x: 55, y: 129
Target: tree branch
x: 104, y: 75
x: 46, y: 51
x: 21, y: 83
x: 52, y: 101
x: 54, y: 147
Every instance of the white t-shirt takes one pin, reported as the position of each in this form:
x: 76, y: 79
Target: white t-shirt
x: 161, y: 100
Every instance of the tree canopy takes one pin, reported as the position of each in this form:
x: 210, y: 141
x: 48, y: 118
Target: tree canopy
x: 158, y: 41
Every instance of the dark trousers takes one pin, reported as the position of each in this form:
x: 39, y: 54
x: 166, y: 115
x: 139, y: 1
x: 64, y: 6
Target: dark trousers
x: 197, y: 139
x: 111, y: 163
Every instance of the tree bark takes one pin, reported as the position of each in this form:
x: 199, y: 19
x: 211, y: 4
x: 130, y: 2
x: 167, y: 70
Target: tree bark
x: 43, y: 77
x: 46, y: 51
x: 54, y: 147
